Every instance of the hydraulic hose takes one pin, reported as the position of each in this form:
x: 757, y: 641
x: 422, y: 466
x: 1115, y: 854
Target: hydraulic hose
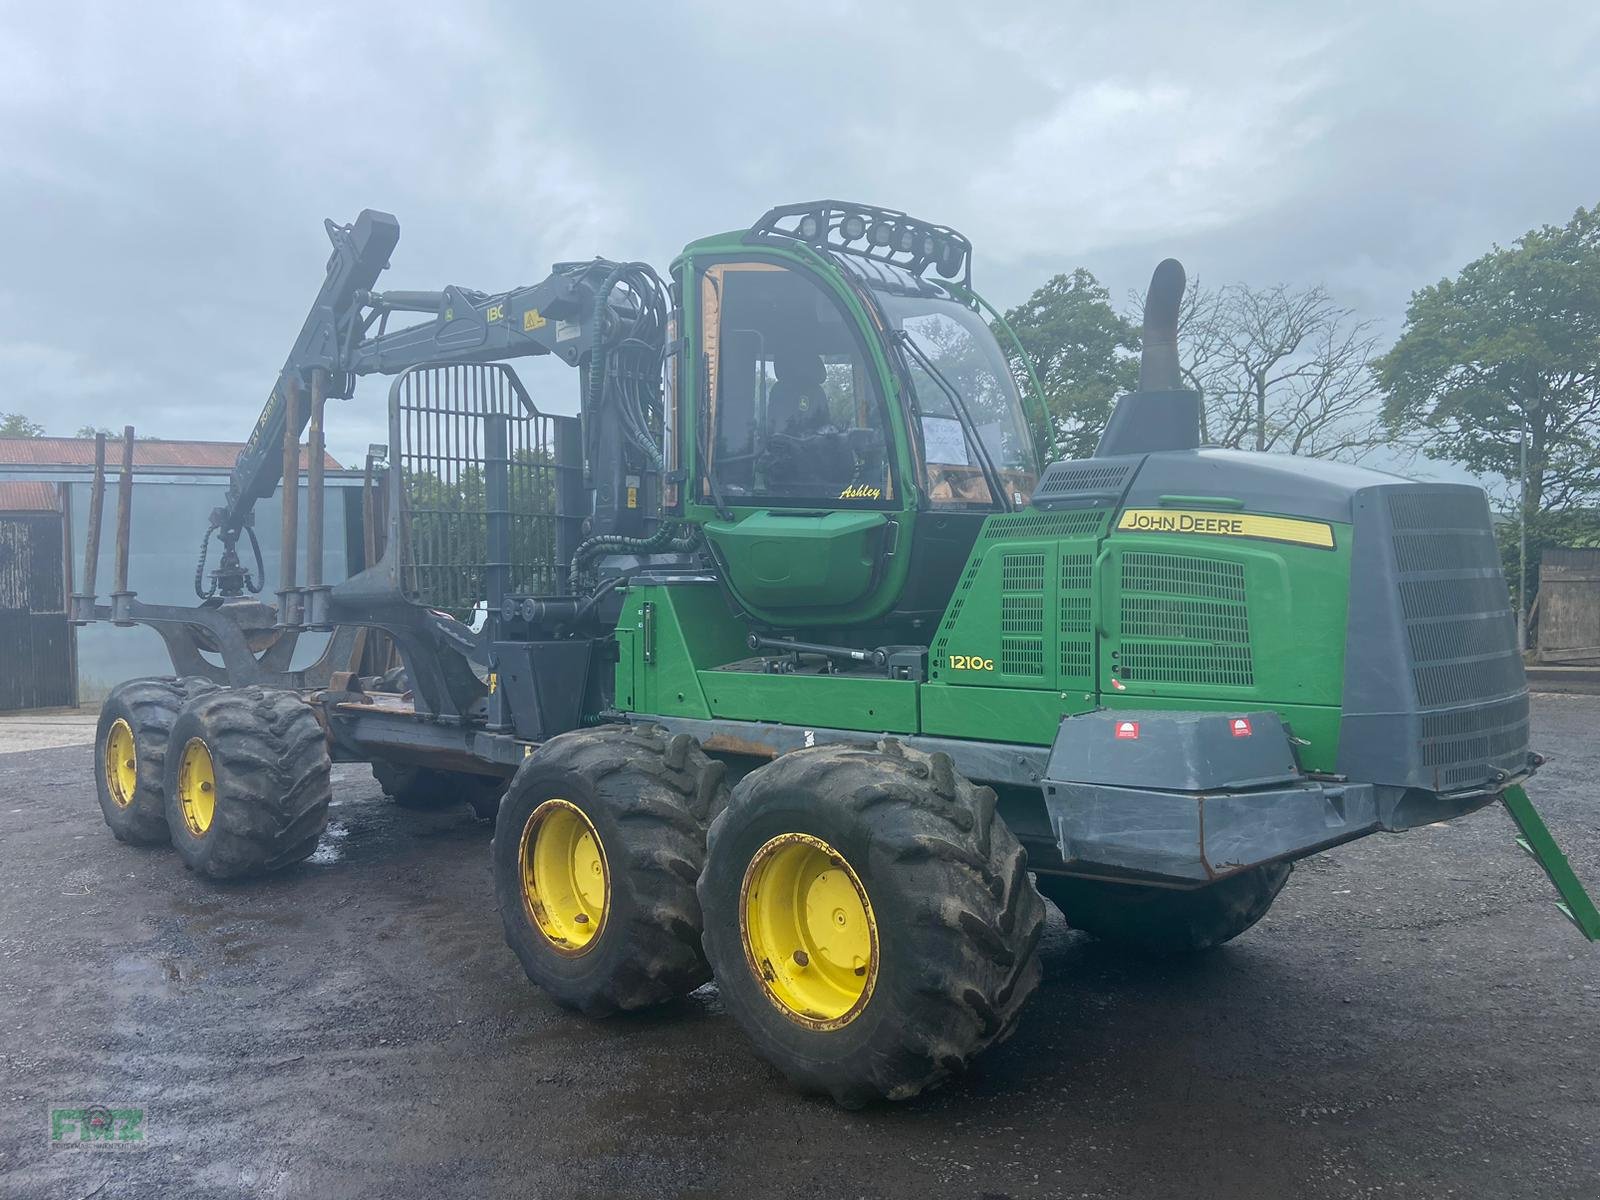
x: 665, y: 537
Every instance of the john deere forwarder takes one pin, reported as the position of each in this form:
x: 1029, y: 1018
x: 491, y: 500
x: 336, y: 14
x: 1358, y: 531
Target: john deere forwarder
x: 796, y: 669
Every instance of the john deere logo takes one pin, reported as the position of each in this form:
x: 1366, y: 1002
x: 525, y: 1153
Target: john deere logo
x: 1218, y: 524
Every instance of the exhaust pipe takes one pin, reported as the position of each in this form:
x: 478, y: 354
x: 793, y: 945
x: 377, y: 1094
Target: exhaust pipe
x: 1158, y: 364
x: 1162, y: 415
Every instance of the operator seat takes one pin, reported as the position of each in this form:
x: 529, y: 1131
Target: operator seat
x: 797, y: 405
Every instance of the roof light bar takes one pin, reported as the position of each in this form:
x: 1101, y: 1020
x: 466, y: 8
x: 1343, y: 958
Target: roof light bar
x: 883, y: 234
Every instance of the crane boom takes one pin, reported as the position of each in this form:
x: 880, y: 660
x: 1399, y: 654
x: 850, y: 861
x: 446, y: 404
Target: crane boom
x: 345, y: 336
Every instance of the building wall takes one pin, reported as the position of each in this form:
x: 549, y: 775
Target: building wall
x: 170, y: 515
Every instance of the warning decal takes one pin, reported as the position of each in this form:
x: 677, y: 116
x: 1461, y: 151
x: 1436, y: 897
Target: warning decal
x: 1128, y: 731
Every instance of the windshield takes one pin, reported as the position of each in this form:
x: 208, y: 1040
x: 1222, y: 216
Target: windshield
x: 961, y: 350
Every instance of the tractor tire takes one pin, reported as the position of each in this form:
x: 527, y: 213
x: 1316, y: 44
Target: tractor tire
x: 130, y: 747
x: 247, y: 782
x: 599, y: 841
x: 425, y: 788
x: 1163, y: 921
x: 916, y: 920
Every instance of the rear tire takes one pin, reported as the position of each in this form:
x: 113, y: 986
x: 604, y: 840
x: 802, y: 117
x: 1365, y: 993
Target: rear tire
x: 1163, y: 921
x: 940, y: 881
x: 265, y: 756
x: 620, y: 929
x: 135, y: 722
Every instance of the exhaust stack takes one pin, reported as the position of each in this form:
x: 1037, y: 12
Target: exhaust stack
x: 1162, y: 414
x: 1158, y: 364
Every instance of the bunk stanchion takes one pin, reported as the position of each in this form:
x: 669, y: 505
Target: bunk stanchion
x: 83, y: 600
x: 316, y: 593
x: 121, y: 597
x: 289, y: 491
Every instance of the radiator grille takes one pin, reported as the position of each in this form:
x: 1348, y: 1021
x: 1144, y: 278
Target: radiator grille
x: 1022, y: 572
x: 1223, y: 666
x: 1470, y: 688
x: 1077, y: 626
x: 1037, y: 569
x: 1183, y: 575
x: 1022, y: 656
x: 1023, y: 525
x: 1422, y: 598
x: 1184, y: 621
x: 1082, y: 483
x: 1022, y: 614
x: 1457, y: 744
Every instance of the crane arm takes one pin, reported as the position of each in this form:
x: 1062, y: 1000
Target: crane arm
x: 360, y: 253
x: 346, y: 336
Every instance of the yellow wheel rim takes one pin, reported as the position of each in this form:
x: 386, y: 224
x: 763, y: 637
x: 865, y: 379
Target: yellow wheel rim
x: 566, y: 884
x: 197, y: 787
x: 122, y: 763
x: 809, y: 933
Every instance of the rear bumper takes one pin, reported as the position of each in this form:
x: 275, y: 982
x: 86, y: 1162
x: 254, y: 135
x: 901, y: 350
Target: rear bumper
x: 1193, y: 838
x: 1184, y: 798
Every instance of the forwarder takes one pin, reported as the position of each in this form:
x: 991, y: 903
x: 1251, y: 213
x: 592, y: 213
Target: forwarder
x: 797, y: 668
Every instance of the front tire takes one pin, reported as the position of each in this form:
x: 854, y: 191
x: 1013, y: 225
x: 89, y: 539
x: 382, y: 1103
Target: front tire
x: 1162, y: 920
x: 247, y: 782
x: 597, y: 847
x: 130, y: 749
x: 912, y: 925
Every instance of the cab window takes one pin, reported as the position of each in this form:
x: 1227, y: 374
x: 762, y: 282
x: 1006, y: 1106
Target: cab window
x: 966, y: 410
x: 796, y: 413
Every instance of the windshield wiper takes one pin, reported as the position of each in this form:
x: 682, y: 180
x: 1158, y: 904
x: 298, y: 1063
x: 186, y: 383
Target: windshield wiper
x: 991, y: 477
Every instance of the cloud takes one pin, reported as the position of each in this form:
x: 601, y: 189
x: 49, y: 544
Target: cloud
x: 164, y: 170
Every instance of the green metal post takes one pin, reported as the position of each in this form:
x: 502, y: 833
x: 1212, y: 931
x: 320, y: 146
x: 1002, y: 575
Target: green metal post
x: 1536, y: 840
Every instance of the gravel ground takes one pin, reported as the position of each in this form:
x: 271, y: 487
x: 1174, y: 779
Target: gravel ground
x: 1413, y: 1018
x: 43, y: 730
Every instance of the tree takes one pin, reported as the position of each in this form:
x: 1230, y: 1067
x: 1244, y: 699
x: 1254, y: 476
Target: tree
x: 1504, y: 355
x: 89, y: 431
x: 1281, y: 369
x: 1084, y: 351
x: 17, y: 425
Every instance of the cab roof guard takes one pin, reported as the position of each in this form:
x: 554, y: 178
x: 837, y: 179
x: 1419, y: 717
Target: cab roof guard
x: 867, y: 231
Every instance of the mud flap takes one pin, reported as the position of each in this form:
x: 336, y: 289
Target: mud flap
x: 1535, y: 838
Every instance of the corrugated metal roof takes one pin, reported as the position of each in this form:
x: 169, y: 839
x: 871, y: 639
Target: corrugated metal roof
x: 79, y: 452
x: 28, y: 495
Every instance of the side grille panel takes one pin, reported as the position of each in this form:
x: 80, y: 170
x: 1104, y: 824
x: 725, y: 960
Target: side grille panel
x: 1076, y: 620
x: 1184, y: 621
x: 1022, y: 614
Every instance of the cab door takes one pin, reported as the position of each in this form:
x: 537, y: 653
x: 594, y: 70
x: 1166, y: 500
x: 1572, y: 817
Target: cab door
x: 797, y: 484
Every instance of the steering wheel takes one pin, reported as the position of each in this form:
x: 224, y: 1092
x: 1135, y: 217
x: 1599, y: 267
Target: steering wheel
x: 827, y: 460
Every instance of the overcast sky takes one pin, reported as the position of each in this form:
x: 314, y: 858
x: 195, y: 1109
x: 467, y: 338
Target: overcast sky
x: 167, y: 167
